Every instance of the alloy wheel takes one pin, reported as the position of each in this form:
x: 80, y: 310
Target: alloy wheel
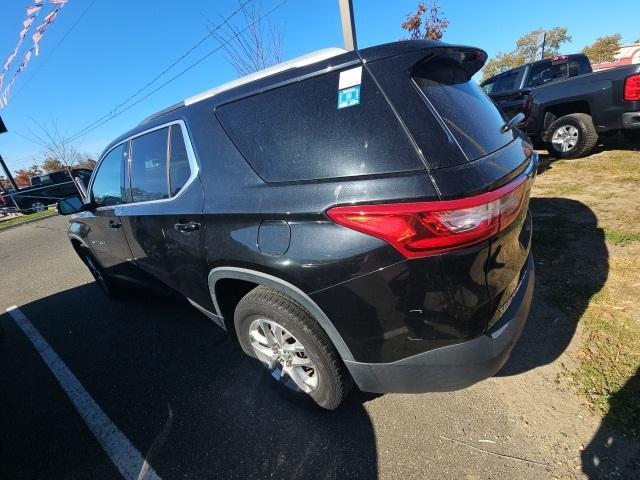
x: 38, y: 206
x: 284, y: 355
x: 565, y: 138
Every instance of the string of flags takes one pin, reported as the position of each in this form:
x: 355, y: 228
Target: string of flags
x: 32, y: 13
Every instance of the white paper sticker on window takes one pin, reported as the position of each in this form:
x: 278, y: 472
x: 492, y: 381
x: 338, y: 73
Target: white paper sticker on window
x: 350, y: 78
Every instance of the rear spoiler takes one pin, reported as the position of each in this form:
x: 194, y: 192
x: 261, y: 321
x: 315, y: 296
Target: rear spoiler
x: 466, y: 59
x: 471, y: 59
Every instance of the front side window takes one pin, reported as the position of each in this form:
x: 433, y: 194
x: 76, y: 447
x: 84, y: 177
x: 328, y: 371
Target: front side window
x: 507, y: 82
x: 107, y: 187
x: 488, y: 87
x: 149, y: 174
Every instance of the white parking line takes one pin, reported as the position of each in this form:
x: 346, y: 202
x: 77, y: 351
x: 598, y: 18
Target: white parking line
x: 117, y: 446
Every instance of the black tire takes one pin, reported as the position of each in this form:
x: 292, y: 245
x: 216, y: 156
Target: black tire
x: 334, y: 381
x: 108, y: 285
x: 26, y: 209
x: 587, y: 137
x: 632, y: 135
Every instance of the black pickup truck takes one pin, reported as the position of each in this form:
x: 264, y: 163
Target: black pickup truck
x: 45, y: 190
x: 566, y: 105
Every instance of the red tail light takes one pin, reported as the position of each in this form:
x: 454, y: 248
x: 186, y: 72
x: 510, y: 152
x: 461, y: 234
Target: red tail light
x: 420, y: 229
x: 632, y: 87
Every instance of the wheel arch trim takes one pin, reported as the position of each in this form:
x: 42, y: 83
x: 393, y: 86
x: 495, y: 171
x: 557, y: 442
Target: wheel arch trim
x: 80, y: 240
x: 285, y: 287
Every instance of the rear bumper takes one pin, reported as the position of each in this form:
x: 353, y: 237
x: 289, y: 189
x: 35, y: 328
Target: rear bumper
x: 631, y: 120
x: 455, y: 366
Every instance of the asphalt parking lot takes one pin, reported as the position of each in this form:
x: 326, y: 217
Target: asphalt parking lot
x: 194, y: 407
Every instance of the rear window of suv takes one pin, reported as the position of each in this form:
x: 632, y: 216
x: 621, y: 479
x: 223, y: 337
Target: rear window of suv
x: 297, y: 132
x: 466, y: 110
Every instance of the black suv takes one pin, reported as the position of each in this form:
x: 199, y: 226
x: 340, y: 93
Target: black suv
x: 347, y: 216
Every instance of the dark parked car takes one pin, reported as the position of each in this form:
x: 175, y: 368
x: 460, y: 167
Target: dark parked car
x: 47, y: 189
x: 566, y: 106
x: 347, y: 216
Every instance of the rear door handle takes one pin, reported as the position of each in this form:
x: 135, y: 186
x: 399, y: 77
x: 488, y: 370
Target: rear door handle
x: 114, y: 225
x: 187, y: 227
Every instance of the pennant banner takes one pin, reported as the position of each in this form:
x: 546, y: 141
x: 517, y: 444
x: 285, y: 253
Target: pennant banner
x: 48, y: 20
x: 32, y: 13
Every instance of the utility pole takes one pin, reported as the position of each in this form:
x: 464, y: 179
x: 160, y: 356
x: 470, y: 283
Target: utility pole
x: 348, y: 24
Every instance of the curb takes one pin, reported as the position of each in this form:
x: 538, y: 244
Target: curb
x: 26, y: 222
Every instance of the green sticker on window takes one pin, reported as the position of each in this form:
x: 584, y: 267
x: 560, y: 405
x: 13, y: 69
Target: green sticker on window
x: 348, y: 97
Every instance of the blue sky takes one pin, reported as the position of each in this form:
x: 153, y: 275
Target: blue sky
x: 119, y: 45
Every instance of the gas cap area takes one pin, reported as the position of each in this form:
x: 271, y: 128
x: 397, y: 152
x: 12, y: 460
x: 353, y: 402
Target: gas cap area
x: 274, y: 237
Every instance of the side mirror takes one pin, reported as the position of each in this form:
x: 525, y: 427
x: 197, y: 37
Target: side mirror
x: 70, y: 205
x: 516, y: 120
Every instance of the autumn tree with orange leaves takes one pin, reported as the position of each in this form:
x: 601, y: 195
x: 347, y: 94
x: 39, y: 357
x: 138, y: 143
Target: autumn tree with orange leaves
x: 427, y: 22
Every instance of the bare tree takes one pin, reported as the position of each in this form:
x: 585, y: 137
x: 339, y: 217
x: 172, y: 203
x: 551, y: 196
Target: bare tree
x: 54, y: 142
x: 251, y: 44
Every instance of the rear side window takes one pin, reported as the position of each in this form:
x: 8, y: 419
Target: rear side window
x: 45, y: 180
x: 471, y: 117
x: 179, y: 168
x: 545, y: 72
x: 297, y: 132
x: 59, y: 177
x: 107, y: 189
x: 83, y: 175
x: 149, y: 178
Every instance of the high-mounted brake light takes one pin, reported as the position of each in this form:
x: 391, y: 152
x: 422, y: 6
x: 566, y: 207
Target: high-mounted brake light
x: 421, y: 229
x: 632, y: 87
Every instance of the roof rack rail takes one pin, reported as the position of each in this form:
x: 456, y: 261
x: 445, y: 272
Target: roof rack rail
x: 302, y: 61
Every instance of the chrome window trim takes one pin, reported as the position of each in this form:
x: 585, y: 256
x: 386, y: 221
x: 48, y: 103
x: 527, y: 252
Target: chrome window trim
x: 193, y: 165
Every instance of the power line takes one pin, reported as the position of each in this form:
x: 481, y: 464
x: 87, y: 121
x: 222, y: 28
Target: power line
x: 53, y: 50
x: 86, y: 130
x: 114, y: 110
x: 115, y: 113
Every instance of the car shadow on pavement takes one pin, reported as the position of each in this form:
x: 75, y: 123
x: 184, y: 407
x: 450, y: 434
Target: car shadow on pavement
x: 572, y: 264
x: 609, y: 454
x: 186, y: 396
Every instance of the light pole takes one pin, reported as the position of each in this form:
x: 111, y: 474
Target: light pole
x: 3, y: 129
